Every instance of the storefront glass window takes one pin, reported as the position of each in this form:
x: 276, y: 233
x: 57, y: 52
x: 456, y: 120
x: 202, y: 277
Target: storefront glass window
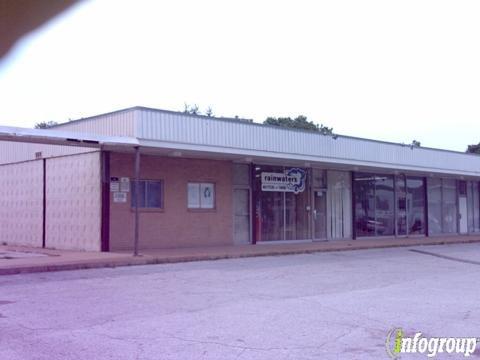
x: 435, y: 206
x: 374, y: 205
x: 449, y: 206
x: 318, y: 179
x: 281, y: 210
x: 476, y: 206
x: 364, y: 188
x: 339, y: 207
x: 296, y: 216
x: 473, y: 206
x: 453, y: 206
x: 150, y: 194
x: 375, y: 201
x: 271, y: 216
x: 416, y: 205
x: 401, y: 194
x: 385, y: 219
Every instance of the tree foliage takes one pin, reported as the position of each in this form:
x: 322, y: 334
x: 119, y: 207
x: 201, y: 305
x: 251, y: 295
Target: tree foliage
x: 45, y: 124
x: 191, y: 109
x: 300, y: 122
x: 209, y: 112
x: 195, y: 110
x: 473, y: 149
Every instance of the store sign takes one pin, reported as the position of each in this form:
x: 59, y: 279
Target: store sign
x: 291, y: 180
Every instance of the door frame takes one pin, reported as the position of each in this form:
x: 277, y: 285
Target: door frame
x: 462, y: 217
x: 250, y: 217
x: 313, y: 212
x: 459, y: 215
x: 395, y: 206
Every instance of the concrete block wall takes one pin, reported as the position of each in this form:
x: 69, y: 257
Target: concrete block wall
x: 21, y: 203
x: 73, y: 202
x: 73, y: 209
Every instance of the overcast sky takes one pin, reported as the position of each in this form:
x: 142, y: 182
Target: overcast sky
x: 388, y: 70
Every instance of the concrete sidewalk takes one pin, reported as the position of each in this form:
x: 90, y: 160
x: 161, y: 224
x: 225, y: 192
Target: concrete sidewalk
x: 16, y: 259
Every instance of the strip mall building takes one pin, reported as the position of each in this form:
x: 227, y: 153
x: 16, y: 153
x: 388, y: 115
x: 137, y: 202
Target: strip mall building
x: 212, y: 181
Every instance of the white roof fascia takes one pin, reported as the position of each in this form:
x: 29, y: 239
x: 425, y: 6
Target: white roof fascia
x: 68, y: 138
x: 302, y: 157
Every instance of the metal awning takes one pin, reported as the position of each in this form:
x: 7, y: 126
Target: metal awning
x: 65, y: 138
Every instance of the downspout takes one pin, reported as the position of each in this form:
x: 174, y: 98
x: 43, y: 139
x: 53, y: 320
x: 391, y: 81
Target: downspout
x: 105, y: 228
x: 137, y: 199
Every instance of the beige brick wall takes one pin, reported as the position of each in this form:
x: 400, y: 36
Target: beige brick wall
x: 175, y: 225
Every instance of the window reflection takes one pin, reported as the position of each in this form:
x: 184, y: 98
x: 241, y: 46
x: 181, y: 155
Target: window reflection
x: 449, y: 206
x: 442, y: 206
x: 374, y: 205
x: 401, y: 205
x: 435, y: 206
x: 280, y: 215
x: 384, y: 195
x: 473, y: 206
x: 375, y: 201
x: 416, y: 205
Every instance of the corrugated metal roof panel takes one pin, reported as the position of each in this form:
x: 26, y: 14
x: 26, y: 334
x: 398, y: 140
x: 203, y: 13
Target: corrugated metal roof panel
x: 119, y: 123
x: 211, y: 133
x: 175, y: 130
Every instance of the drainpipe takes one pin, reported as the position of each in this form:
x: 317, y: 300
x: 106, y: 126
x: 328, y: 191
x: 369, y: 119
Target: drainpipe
x: 137, y: 198
x: 44, y: 214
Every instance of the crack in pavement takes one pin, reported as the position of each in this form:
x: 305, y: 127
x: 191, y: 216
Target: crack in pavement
x: 136, y: 339
x: 446, y: 257
x: 283, y: 348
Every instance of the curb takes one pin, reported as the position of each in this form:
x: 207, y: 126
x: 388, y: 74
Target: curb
x: 149, y: 260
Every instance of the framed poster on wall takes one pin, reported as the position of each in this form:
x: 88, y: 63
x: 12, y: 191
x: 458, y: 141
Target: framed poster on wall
x: 201, y: 195
x: 207, y: 196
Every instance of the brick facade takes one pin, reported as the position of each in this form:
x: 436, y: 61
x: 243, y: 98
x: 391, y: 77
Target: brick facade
x: 175, y: 225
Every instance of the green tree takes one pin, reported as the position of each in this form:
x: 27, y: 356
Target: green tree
x: 300, y: 122
x: 195, y: 110
x: 45, y: 124
x: 191, y: 109
x: 209, y: 112
x: 473, y: 149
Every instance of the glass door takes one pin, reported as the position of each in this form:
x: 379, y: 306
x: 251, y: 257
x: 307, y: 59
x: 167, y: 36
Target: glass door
x: 375, y: 204
x: 473, y: 207
x: 272, y: 217
x: 449, y: 206
x: 416, y: 205
x: 339, y: 205
x: 401, y: 208
x: 462, y: 207
x: 241, y: 204
x: 319, y: 214
x: 281, y: 198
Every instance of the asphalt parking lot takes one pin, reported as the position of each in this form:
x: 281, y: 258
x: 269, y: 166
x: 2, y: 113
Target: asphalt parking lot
x: 336, y: 305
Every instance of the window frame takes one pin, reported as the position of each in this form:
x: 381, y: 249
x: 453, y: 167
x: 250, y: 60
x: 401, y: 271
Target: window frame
x: 145, y: 200
x: 200, y: 208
